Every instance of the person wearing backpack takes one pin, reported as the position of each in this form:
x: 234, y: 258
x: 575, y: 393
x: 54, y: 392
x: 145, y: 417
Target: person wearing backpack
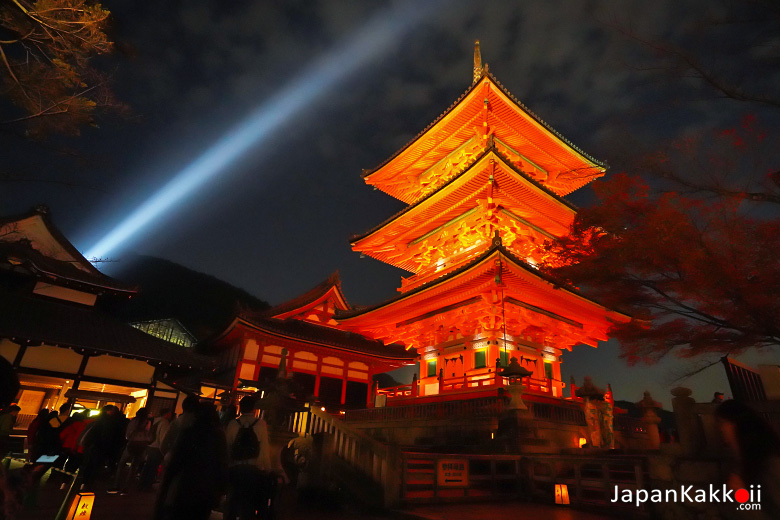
x: 154, y: 454
x: 250, y: 463
x: 138, y: 435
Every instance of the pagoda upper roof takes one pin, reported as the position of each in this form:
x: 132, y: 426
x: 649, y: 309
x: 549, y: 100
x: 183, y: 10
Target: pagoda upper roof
x: 463, y: 285
x: 31, y: 243
x: 486, y: 109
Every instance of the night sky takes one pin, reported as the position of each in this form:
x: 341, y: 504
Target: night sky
x: 278, y: 220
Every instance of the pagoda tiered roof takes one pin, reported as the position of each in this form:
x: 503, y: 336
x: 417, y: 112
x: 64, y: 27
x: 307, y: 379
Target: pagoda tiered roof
x: 460, y: 216
x: 493, y: 290
x: 486, y: 111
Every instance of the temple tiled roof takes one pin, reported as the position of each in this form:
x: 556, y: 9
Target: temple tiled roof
x: 329, y: 337
x: 17, y: 251
x: 35, y: 320
x: 16, y: 255
x: 315, y: 293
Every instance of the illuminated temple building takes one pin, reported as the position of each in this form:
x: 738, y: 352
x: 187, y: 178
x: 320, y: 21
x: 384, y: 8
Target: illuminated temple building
x: 484, y: 184
x: 59, y: 339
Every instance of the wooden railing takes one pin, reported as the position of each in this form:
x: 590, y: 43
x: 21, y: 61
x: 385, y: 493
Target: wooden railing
x: 483, y: 476
x: 470, y: 382
x: 399, y: 391
x: 590, y: 480
x: 464, y: 384
x: 368, y: 457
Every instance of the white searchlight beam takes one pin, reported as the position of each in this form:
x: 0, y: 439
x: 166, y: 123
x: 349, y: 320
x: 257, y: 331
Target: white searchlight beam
x: 382, y: 31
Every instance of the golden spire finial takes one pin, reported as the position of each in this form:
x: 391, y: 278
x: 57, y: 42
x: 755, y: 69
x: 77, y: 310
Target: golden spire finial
x: 477, y: 62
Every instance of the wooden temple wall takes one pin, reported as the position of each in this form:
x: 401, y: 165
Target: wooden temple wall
x: 260, y: 356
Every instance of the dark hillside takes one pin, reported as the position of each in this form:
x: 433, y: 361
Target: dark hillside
x: 201, y: 302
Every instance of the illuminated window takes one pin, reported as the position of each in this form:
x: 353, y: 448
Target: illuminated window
x: 548, y: 373
x: 504, y: 358
x: 480, y: 359
x: 432, y: 368
x: 169, y: 330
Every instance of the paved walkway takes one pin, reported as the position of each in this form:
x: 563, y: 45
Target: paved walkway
x: 500, y: 511
x: 139, y: 506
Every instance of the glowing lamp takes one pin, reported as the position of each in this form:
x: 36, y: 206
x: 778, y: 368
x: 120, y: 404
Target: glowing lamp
x: 562, y: 494
x: 583, y: 441
x: 81, y: 507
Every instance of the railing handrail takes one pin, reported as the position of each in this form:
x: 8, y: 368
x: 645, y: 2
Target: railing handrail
x: 378, y: 447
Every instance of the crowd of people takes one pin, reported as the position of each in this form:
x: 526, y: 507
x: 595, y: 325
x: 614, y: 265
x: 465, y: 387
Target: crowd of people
x: 198, y: 458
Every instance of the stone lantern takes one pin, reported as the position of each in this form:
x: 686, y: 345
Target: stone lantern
x: 515, y: 373
x: 598, y: 414
x: 650, y: 419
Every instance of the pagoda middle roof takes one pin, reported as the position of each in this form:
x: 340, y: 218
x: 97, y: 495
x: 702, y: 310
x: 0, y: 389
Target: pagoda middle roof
x: 552, y: 135
x: 490, y: 150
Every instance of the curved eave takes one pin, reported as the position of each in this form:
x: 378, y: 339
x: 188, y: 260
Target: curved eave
x: 258, y: 327
x: 84, y: 284
x: 85, y: 266
x: 578, y: 151
x: 311, y: 298
x: 509, y: 100
x: 475, y: 265
x: 446, y: 189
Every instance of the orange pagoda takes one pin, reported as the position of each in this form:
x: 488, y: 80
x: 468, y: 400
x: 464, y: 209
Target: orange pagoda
x: 485, y: 186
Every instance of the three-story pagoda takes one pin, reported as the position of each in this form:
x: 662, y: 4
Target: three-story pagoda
x: 484, y: 184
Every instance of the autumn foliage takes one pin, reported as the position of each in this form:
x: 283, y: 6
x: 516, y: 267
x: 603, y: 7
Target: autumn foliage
x: 691, y: 258
x: 45, y: 52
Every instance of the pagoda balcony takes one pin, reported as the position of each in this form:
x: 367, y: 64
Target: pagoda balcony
x: 473, y: 385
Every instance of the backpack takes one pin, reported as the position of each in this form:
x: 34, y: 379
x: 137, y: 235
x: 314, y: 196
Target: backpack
x: 48, y: 437
x: 140, y: 433
x: 153, y: 432
x: 246, y: 445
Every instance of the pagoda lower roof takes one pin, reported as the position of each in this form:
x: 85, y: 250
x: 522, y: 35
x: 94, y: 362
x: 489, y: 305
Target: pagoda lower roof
x: 465, y: 285
x: 323, y: 336
x: 35, y: 320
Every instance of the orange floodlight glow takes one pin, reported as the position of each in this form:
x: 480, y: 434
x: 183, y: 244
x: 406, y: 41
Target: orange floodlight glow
x: 583, y: 441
